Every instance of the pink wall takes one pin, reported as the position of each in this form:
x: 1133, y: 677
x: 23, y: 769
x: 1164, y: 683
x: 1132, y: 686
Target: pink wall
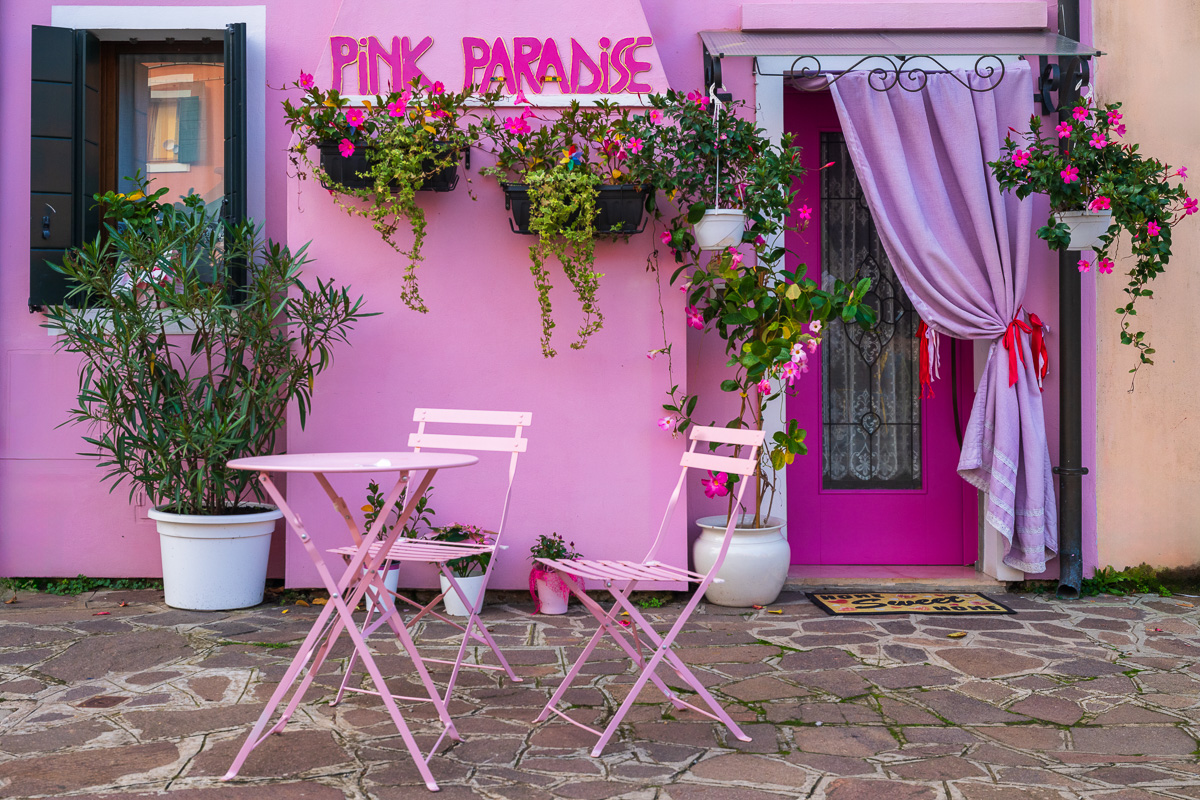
x: 597, y: 465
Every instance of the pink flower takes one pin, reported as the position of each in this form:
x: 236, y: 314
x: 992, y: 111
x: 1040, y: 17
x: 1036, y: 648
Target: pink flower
x: 1085, y: 265
x: 805, y: 212
x: 792, y: 371
x: 1114, y: 117
x: 814, y: 327
x: 346, y: 148
x: 812, y: 345
x: 798, y: 353
x: 1152, y: 228
x: 764, y: 386
x: 736, y: 258
x: 1182, y: 173
x: 1020, y: 158
x: 1189, y: 206
x: 759, y: 241
x: 635, y: 145
x: 520, y: 98
x: 694, y: 318
x: 715, y: 485
x: 652, y: 354
x: 1070, y: 174
x: 399, y: 106
x: 698, y: 98
x: 1080, y: 113
x: 1100, y: 204
x: 668, y: 423
x: 516, y: 125
x: 1099, y: 140
x: 437, y: 88
x: 306, y: 80
x: 354, y: 117
x: 1120, y: 129
x: 1064, y: 130
x: 656, y: 116
x: 1106, y: 265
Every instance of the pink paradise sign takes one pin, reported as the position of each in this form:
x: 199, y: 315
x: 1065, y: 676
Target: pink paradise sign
x: 529, y: 64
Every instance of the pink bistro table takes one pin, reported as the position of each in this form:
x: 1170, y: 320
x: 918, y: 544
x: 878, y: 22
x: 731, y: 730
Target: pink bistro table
x: 361, y: 576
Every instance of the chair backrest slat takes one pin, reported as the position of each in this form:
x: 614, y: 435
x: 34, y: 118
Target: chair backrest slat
x: 470, y: 417
x: 448, y: 441
x: 726, y: 435
x: 715, y: 463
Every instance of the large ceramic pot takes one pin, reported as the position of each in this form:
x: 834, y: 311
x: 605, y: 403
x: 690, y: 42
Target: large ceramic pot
x: 720, y: 228
x: 215, y: 563
x: 1086, y: 227
x: 472, y: 587
x: 755, y: 566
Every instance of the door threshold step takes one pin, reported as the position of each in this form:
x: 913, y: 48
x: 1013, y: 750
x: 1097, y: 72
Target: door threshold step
x: 885, y: 578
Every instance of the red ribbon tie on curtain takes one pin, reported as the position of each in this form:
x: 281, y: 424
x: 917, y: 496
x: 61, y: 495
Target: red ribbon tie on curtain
x: 930, y: 358
x: 1041, y: 356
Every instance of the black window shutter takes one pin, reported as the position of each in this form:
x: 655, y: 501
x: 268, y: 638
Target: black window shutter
x: 235, y: 122
x: 64, y: 160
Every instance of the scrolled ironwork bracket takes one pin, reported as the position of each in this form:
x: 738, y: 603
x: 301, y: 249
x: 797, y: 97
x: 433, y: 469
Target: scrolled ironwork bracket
x: 910, y: 73
x: 1053, y: 78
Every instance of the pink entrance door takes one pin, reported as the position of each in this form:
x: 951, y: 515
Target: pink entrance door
x: 879, y: 484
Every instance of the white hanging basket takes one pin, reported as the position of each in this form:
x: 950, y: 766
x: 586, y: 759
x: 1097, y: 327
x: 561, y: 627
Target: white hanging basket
x: 720, y: 228
x: 1086, y: 227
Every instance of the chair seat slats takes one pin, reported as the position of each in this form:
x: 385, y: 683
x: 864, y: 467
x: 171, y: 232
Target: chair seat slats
x: 423, y: 550
x: 604, y: 570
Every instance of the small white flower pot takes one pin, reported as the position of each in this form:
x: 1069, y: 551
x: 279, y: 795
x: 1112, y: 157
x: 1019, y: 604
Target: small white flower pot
x: 553, y: 594
x: 720, y: 228
x: 391, y: 579
x: 755, y: 566
x: 472, y: 587
x: 215, y: 563
x: 1086, y: 227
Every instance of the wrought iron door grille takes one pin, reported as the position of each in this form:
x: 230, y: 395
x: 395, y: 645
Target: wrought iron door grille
x: 871, y: 411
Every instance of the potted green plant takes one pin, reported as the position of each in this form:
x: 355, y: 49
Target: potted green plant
x: 422, y: 517
x: 769, y: 317
x: 547, y: 585
x: 567, y: 179
x: 1100, y: 188
x: 194, y: 336
x: 375, y: 158
x: 468, y: 570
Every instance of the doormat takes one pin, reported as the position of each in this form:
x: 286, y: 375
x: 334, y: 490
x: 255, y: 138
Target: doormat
x: 877, y: 603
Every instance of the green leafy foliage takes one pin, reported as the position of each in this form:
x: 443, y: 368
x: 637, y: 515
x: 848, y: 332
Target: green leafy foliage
x: 466, y: 566
x: 422, y: 516
x: 552, y: 546
x: 80, y: 584
x: 183, y: 366
x: 1142, y: 579
x: 1104, y: 173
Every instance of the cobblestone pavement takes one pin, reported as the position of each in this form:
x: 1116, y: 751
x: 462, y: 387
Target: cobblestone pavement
x: 1088, y: 699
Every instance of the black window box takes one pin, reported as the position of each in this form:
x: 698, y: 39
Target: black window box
x: 354, y: 171
x: 619, y: 208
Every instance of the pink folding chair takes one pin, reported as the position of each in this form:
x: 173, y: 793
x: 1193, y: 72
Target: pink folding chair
x: 427, y: 551
x: 629, y: 573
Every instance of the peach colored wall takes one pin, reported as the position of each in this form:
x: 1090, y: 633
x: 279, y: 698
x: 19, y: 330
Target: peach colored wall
x: 1147, y: 460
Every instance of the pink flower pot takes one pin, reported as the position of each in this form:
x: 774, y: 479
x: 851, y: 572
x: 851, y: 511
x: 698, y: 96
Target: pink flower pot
x: 550, y: 591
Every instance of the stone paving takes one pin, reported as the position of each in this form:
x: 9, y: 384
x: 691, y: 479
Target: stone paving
x: 1088, y: 699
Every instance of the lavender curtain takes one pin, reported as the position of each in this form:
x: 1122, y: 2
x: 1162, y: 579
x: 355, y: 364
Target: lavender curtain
x: 960, y: 247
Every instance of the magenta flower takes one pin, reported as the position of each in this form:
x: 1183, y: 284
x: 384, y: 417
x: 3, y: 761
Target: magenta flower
x: 516, y: 125
x: 1099, y: 140
x: 1020, y: 158
x: 715, y: 485
x: 346, y: 148
x: 668, y: 423
x: 1182, y: 173
x: 1064, y: 130
x: 698, y: 98
x: 798, y: 353
x: 1080, y: 113
x: 437, y: 88
x: 1070, y: 174
x: 1106, y: 265
x: 666, y: 237
x: 656, y: 116
x: 1120, y: 129
x: 764, y: 386
x: 1100, y: 204
x: 306, y: 80
x: 792, y: 370
x: 399, y: 106
x: 805, y: 212
x: 694, y: 318
x: 759, y: 241
x: 1114, y: 117
x: 812, y: 345
x: 354, y: 117
x: 1085, y: 265
x: 635, y: 145
x: 1189, y: 206
x: 736, y: 257
x: 1152, y: 228
x: 520, y: 98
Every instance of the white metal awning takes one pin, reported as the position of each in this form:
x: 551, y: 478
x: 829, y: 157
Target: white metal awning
x: 720, y: 44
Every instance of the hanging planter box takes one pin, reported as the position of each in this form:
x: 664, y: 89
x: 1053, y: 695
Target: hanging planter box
x: 354, y: 171
x: 619, y: 209
x: 720, y: 228
x: 1086, y: 227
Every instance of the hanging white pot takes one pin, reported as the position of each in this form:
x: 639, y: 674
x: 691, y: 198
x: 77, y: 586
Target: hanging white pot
x: 1086, y: 227
x: 755, y: 566
x: 720, y: 228
x: 215, y: 562
x: 391, y: 579
x: 472, y: 587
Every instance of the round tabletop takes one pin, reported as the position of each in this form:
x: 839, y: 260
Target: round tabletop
x: 352, y: 462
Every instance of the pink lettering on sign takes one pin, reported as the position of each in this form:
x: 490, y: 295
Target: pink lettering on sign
x: 401, y: 60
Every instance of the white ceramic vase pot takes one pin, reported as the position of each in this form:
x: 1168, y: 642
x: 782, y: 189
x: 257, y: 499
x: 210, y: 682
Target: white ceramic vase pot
x: 1086, y: 227
x: 755, y: 566
x: 553, y: 595
x: 720, y: 228
x: 215, y: 563
x: 472, y: 587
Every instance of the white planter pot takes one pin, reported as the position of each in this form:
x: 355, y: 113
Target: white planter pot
x: 472, y: 587
x: 391, y: 579
x: 1086, y: 227
x: 720, y: 228
x: 755, y: 566
x: 553, y: 594
x: 215, y: 563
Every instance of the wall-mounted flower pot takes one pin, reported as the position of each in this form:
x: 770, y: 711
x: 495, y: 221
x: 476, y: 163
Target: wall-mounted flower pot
x: 619, y: 208
x: 720, y: 228
x: 354, y: 171
x: 1086, y: 227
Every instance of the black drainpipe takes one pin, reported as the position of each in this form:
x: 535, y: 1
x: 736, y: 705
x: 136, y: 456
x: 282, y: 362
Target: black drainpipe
x: 1070, y: 470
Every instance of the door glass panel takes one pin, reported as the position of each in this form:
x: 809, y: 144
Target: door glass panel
x: 869, y: 379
